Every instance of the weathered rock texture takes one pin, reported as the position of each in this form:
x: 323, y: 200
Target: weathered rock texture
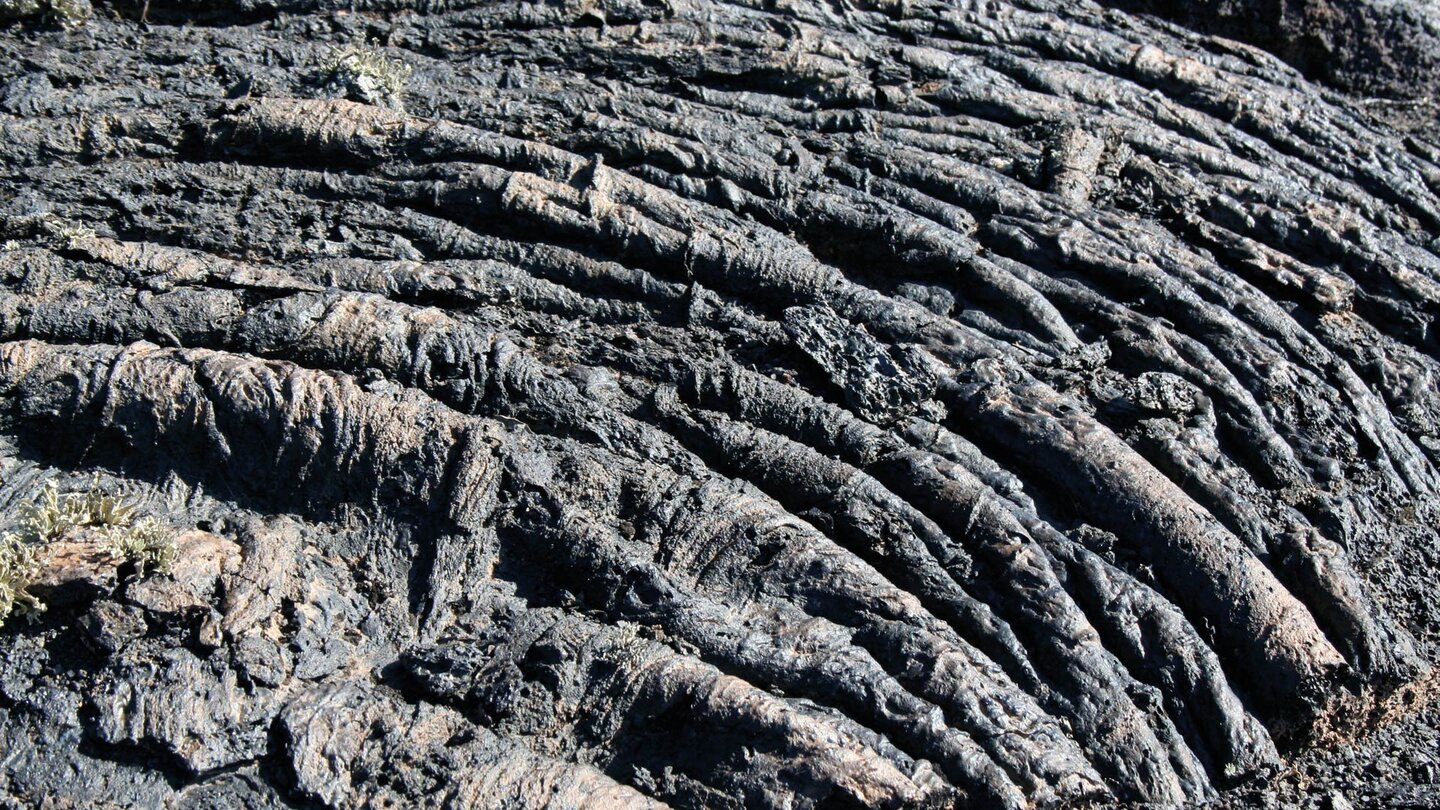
x: 710, y: 404
x: 1385, y: 48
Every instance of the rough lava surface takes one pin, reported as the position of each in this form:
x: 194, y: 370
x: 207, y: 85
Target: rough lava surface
x: 710, y: 404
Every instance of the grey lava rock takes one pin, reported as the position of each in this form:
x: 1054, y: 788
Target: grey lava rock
x: 713, y: 404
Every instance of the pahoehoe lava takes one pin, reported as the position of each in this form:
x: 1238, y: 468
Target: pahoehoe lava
x: 710, y: 403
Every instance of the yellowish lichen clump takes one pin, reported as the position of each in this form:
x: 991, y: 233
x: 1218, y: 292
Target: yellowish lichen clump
x: 109, y: 521
x: 147, y: 543
x: 18, y: 571
x: 367, y: 73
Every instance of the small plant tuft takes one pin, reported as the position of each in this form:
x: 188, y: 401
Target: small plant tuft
x: 362, y: 71
x: 18, y: 571
x: 51, y: 515
x: 70, y: 236
x: 147, y: 543
x: 101, y: 509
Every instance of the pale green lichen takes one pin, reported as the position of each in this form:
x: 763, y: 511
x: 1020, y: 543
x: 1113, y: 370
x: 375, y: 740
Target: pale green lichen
x: 364, y: 72
x: 71, y: 236
x: 102, y: 509
x: 147, y: 543
x: 18, y: 571
x: 51, y: 515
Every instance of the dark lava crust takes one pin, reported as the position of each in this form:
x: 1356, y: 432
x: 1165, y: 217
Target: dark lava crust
x: 715, y: 404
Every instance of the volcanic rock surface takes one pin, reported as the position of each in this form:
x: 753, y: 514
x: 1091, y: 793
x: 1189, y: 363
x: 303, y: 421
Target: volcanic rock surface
x: 1387, y: 51
x: 711, y: 404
